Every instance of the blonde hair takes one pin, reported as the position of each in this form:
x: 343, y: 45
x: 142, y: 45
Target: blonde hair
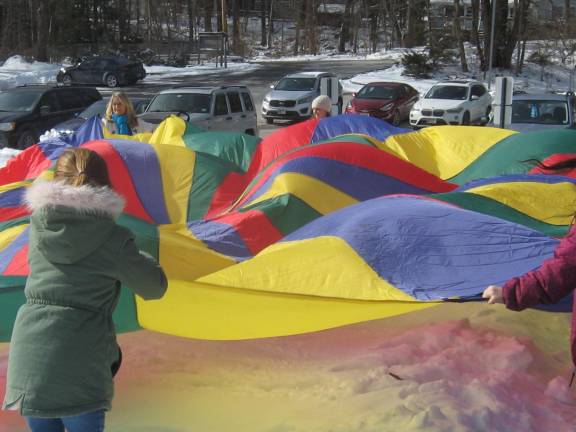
x: 80, y: 166
x: 121, y: 96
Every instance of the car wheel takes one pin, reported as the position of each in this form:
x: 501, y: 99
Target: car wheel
x: 27, y: 139
x: 396, y: 118
x: 466, y: 119
x: 111, y: 80
x: 486, y: 118
x: 269, y: 120
x: 67, y: 80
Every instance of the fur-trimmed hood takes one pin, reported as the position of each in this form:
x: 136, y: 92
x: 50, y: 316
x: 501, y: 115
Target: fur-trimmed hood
x: 86, y: 199
x: 69, y: 223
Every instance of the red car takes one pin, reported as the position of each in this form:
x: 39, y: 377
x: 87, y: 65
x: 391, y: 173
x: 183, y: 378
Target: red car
x: 390, y: 101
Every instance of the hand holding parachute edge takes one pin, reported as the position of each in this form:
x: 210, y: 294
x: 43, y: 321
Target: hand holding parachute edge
x: 494, y: 294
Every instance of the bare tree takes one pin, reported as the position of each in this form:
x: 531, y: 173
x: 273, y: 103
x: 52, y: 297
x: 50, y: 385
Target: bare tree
x: 458, y: 36
x: 344, y: 27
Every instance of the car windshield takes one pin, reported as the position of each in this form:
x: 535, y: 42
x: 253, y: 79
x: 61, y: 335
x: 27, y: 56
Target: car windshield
x: 447, y: 92
x: 96, y: 108
x: 19, y: 101
x: 296, y: 84
x: 186, y: 102
x: 376, y: 92
x: 540, y: 112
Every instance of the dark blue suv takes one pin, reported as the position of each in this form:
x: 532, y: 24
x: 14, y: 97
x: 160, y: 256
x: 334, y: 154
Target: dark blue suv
x: 27, y: 112
x: 110, y: 71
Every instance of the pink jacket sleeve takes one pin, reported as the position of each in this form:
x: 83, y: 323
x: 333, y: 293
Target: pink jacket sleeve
x: 552, y: 281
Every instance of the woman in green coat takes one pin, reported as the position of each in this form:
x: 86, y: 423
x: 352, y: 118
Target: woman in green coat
x: 64, y: 344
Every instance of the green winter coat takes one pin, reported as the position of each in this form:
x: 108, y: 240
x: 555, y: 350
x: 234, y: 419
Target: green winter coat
x: 64, y: 342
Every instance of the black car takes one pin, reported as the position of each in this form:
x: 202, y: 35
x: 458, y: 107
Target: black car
x: 110, y: 71
x: 97, y: 108
x: 27, y: 112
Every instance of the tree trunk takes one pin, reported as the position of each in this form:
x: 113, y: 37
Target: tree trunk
x: 44, y: 20
x: 458, y: 36
x: 344, y: 26
x: 263, y: 23
x: 373, y: 12
x: 475, y: 36
x: 409, y: 38
x: 236, y: 42
x: 208, y: 11
x: 191, y: 9
x: 311, y: 30
x: 271, y: 23
x: 486, y: 11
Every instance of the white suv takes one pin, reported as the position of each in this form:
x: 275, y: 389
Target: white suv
x: 222, y: 108
x: 452, y: 103
x: 291, y: 97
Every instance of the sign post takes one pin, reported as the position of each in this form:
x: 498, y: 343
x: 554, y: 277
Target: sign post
x: 503, y: 102
x: 215, y: 43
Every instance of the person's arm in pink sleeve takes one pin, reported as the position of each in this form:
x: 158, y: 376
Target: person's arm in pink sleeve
x: 551, y: 282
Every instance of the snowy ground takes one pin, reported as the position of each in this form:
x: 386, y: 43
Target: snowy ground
x: 455, y: 367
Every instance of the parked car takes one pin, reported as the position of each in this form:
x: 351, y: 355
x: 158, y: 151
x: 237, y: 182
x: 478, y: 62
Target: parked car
x: 109, y: 71
x: 390, y: 101
x: 27, y: 112
x: 292, y: 96
x: 222, y: 108
x: 97, y: 108
x: 532, y: 112
x: 453, y: 103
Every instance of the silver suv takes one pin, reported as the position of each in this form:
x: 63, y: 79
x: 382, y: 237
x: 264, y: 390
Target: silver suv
x: 222, y: 108
x: 291, y: 97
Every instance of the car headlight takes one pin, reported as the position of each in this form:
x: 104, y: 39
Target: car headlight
x: 6, y: 127
x: 387, y: 107
x: 267, y: 98
x: 416, y: 108
x: 454, y: 110
x: 305, y: 100
x: 349, y: 105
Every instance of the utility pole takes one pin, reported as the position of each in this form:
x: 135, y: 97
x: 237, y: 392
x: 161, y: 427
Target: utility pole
x: 224, y: 17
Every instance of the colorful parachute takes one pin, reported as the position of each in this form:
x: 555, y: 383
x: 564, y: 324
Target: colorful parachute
x: 323, y: 223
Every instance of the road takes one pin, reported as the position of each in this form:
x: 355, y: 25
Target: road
x: 259, y: 80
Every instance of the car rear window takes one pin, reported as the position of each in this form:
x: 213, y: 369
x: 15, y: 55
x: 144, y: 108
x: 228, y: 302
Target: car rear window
x: 377, y: 92
x: 536, y: 111
x: 19, y: 101
x: 448, y: 92
x: 174, y: 102
x: 296, y: 84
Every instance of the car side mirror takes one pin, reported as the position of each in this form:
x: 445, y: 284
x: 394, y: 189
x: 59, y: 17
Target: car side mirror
x: 474, y: 97
x: 44, y: 110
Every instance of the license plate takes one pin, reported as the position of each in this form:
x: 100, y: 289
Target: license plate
x: 281, y: 111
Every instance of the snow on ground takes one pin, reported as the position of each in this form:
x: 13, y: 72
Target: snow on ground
x: 6, y: 154
x: 17, y: 71
x: 456, y: 367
